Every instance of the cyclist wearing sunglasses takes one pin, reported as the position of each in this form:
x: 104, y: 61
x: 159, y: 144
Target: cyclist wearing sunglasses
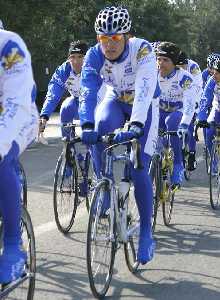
x: 18, y: 128
x: 127, y: 66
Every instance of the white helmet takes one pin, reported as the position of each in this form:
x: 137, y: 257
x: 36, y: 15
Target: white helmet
x: 112, y: 20
x: 1, y: 24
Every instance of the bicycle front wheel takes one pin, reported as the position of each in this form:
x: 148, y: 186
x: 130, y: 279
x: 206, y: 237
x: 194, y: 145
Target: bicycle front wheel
x: 65, y: 195
x: 133, y: 232
x: 167, y: 197
x: 101, y: 245
x: 214, y: 176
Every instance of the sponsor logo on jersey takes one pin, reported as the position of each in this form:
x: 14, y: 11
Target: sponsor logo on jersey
x: 194, y: 70
x: 143, y: 51
x: 11, y: 55
x: 186, y: 82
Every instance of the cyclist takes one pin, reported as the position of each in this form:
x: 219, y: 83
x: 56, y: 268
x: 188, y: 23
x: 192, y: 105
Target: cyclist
x: 211, y: 99
x: 128, y: 67
x: 176, y: 102
x: 208, y: 72
x: 65, y: 78
x: 18, y: 128
x: 193, y: 68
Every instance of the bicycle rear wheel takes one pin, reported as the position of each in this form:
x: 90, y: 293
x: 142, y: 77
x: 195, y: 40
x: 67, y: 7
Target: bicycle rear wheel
x: 214, y: 177
x: 23, y: 288
x: 167, y: 197
x: 133, y: 231
x: 65, y: 195
x: 101, y: 247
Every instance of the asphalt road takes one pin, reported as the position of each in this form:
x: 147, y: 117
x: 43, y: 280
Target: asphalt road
x: 186, y: 265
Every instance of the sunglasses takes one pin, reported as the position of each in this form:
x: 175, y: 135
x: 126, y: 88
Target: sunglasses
x: 106, y: 38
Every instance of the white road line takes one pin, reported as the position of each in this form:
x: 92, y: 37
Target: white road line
x: 50, y: 226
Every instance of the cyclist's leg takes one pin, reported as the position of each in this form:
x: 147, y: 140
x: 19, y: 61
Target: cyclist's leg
x: 108, y: 117
x: 192, y: 147
x: 214, y: 117
x: 10, y: 206
x: 68, y: 113
x: 172, y: 123
x: 143, y: 189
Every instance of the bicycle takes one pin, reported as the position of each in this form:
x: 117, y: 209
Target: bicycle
x: 161, y: 170
x: 70, y: 191
x: 119, y: 225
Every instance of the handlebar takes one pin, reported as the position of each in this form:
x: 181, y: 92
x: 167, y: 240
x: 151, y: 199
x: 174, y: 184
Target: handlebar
x: 135, y: 145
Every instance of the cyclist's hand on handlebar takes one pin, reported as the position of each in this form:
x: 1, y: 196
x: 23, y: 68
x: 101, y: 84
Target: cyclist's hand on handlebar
x: 42, y: 125
x: 135, y: 131
x: 182, y: 130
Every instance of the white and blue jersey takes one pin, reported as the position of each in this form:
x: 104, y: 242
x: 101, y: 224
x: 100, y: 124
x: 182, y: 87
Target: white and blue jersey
x: 205, y: 76
x: 133, y: 78
x: 18, y: 112
x: 210, y: 98
x: 178, y: 93
x: 64, y: 79
x: 194, y: 69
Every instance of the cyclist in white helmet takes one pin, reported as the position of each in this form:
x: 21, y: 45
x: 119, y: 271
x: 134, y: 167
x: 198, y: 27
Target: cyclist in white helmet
x: 128, y: 67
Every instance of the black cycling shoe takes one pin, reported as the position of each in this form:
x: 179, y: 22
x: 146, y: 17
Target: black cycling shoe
x: 192, y: 164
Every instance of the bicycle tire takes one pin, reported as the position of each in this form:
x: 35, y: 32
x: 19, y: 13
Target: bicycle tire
x: 154, y: 173
x: 24, y: 287
x: 96, y: 223
x: 65, y: 216
x: 207, y: 160
x: 214, y: 178
x: 90, y: 180
x: 23, y: 180
x: 168, y: 197
x: 133, y: 226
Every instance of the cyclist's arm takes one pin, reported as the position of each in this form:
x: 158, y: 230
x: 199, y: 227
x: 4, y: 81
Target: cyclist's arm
x: 91, y: 82
x: 56, y: 89
x: 197, y: 79
x: 145, y: 83
x: 18, y: 90
x: 189, y: 98
x: 206, y: 99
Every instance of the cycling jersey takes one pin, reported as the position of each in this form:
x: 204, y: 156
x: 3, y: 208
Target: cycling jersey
x: 210, y: 98
x: 205, y: 76
x: 64, y: 79
x: 178, y: 93
x: 18, y: 112
x: 132, y: 76
x: 194, y: 69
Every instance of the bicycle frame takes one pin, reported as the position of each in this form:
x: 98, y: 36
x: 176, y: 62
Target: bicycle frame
x: 119, y: 213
